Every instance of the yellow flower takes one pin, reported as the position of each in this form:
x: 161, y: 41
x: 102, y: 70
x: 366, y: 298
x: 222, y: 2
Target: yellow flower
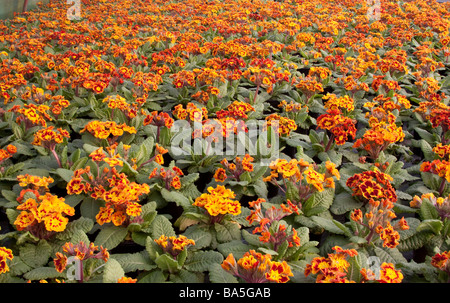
x: 314, y: 178
x: 219, y: 202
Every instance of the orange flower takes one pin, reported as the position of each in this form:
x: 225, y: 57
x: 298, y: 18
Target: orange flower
x: 332, y: 269
x: 48, y: 138
x: 81, y: 251
x: 126, y: 280
x: 103, y: 130
x: 97, y: 155
x: 5, y: 254
x: 255, y: 267
x: 220, y: 175
x: 441, y: 261
x: 174, y: 245
x: 60, y: 262
x: 43, y: 214
x: 218, y: 203
x: 388, y: 274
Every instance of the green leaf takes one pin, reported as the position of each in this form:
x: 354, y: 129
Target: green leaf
x: 200, y: 234
x: 430, y: 225
x: 344, y: 202
x: 134, y: 262
x: 43, y: 273
x: 156, y: 276
x: 331, y: 225
x: 112, y: 271
x: 342, y: 227
x: 389, y: 255
x: 110, y: 237
x: 319, y: 201
x: 36, y: 255
x: 161, y: 226
x: 414, y: 242
x: 218, y: 275
x: 227, y: 231
x: 152, y: 248
x: 81, y: 224
x: 79, y: 236
x: 235, y: 247
x: 89, y: 208
x: 18, y: 267
x: 66, y: 174
x: 202, y: 261
x: 9, y: 195
x: 178, y: 198
x: 427, y: 211
x: 167, y: 263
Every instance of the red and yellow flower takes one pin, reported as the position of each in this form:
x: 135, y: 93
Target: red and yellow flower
x: 5, y: 254
x: 174, y: 245
x: 255, y: 267
x: 218, y: 202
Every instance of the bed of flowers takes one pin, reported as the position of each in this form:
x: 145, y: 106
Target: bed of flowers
x: 226, y: 141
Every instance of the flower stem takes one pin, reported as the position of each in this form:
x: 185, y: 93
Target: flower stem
x: 330, y: 142
x: 80, y: 268
x: 157, y: 134
x: 256, y: 93
x: 56, y: 156
x: 442, y: 187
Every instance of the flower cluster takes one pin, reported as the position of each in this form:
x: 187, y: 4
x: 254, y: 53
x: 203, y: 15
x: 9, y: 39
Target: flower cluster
x: 282, y: 125
x: 236, y: 110
x: 109, y: 130
x: 218, y: 202
x: 372, y: 185
x: 340, y: 126
x: 81, y: 252
x: 174, y: 245
x: 271, y: 229
x: 441, y: 204
x: 121, y: 196
x: 234, y: 170
x: 255, y: 267
x: 332, y: 269
x: 48, y: 138
x: 383, y: 132
x: 303, y: 176
x: 439, y: 167
x: 120, y: 103
x: 7, y: 153
x: 41, y: 212
x: 335, y: 268
x: 170, y: 177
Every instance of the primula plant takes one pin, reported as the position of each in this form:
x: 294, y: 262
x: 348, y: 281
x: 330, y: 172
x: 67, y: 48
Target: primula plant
x: 226, y: 142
